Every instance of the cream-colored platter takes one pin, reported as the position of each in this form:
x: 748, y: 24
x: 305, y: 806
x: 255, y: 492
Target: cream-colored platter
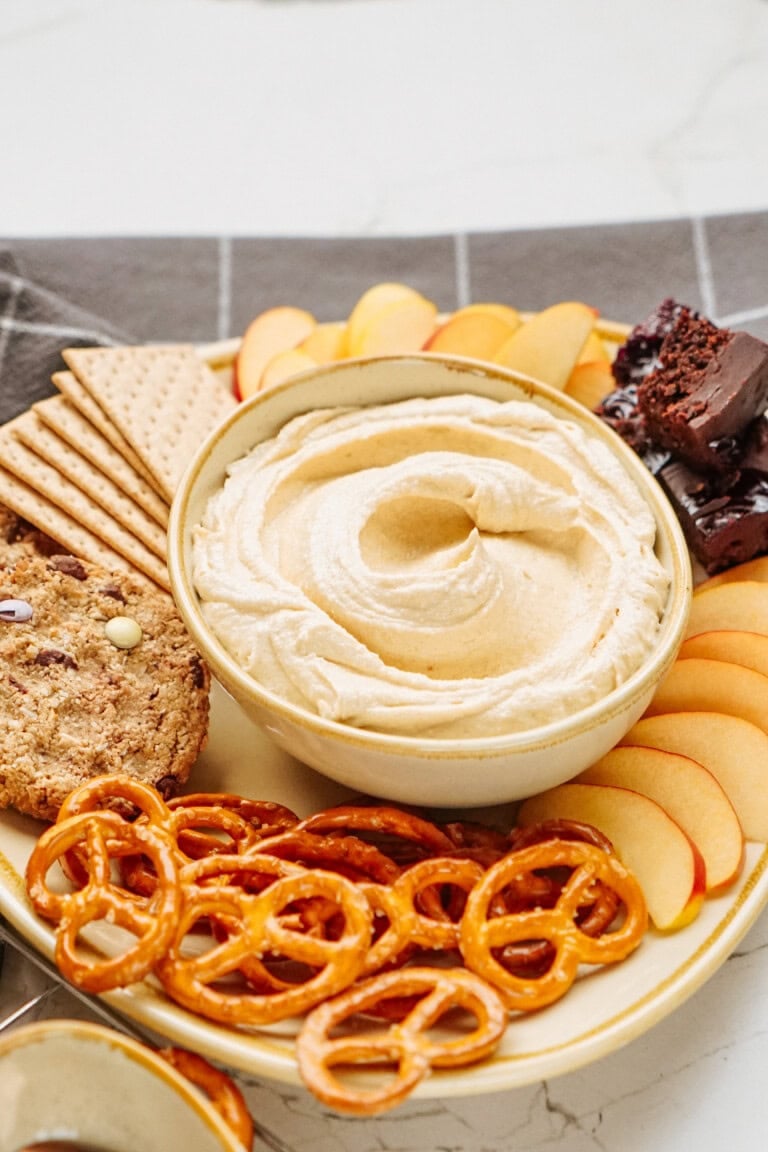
x: 605, y: 1009
x: 602, y: 1012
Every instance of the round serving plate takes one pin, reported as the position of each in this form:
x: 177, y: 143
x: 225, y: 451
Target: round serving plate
x: 604, y: 1010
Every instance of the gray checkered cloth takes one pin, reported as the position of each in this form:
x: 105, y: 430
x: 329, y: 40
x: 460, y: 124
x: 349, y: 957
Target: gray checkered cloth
x: 35, y: 324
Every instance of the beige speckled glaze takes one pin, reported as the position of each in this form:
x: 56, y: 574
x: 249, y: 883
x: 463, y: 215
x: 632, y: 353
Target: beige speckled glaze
x: 451, y: 773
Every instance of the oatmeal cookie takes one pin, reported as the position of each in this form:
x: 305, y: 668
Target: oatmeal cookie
x: 75, y: 703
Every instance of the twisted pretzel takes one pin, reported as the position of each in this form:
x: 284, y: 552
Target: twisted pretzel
x: 392, y: 825
x: 347, y: 855
x: 481, y: 937
x: 266, y: 816
x: 404, y: 1044
x: 125, y: 790
x: 220, y: 1089
x: 408, y: 926
x: 254, y: 928
x: 105, y: 835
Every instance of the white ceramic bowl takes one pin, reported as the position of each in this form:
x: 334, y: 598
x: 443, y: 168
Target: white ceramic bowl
x: 448, y: 772
x: 73, y: 1080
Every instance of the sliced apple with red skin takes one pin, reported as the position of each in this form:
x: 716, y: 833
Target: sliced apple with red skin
x: 747, y: 648
x: 284, y: 366
x: 697, y: 685
x: 734, y: 751
x: 374, y: 300
x: 740, y: 605
x: 270, y: 332
x: 395, y: 330
x: 548, y: 345
x: 325, y: 343
x: 756, y: 569
x: 666, y: 863
x: 474, y: 333
x: 687, y: 792
x: 590, y: 382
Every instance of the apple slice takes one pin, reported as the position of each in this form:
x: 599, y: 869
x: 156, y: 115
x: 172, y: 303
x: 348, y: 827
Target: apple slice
x: 503, y: 311
x: 474, y: 333
x: 747, y: 648
x: 697, y: 685
x: 668, y: 866
x: 689, y: 793
x: 270, y: 332
x: 756, y: 569
x: 372, y: 301
x: 325, y: 343
x: 283, y: 366
x: 738, y: 604
x: 594, y: 349
x: 549, y: 344
x: 589, y: 382
x: 401, y: 327
x: 733, y: 750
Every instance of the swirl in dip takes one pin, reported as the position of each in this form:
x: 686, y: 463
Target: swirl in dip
x: 448, y: 567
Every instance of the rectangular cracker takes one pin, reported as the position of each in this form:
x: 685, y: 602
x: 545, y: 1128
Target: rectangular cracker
x: 57, y: 524
x: 30, y: 430
x: 70, y: 425
x: 68, y: 384
x: 163, y: 398
x: 34, y: 472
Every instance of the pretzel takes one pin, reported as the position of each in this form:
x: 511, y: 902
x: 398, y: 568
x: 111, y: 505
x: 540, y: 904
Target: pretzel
x: 226, y: 828
x: 254, y: 928
x: 105, y: 835
x: 481, y: 937
x: 595, y: 918
x: 347, y: 855
x: 266, y: 816
x: 405, y: 1044
x: 120, y: 793
x: 408, y: 927
x: 250, y: 874
x: 220, y: 1089
x: 97, y: 793
x: 421, y: 836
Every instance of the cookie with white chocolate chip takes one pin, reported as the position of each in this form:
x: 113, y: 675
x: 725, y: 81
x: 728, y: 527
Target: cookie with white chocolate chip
x: 97, y: 675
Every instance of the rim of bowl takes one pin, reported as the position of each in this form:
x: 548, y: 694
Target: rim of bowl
x: 673, y: 623
x: 84, y: 1030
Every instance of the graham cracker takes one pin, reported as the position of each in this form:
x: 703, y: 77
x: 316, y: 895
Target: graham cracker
x: 163, y: 398
x: 58, y: 414
x: 41, y: 477
x: 30, y: 430
x: 70, y: 386
x: 57, y: 524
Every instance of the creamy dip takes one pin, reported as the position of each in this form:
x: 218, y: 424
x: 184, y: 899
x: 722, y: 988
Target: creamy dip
x: 448, y: 567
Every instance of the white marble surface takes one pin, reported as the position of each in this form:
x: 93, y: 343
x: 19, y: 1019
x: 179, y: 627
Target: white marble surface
x: 386, y: 117
x: 377, y: 116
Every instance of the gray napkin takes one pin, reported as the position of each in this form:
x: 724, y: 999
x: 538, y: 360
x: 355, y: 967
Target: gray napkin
x: 35, y: 324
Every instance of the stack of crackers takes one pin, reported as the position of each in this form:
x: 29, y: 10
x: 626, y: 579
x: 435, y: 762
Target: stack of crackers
x: 96, y: 466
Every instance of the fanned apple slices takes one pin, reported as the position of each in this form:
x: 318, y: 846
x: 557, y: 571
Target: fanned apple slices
x: 699, y: 755
x: 559, y: 345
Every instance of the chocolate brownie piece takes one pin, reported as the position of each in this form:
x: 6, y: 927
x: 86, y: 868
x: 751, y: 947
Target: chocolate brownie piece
x: 725, y: 520
x: 76, y: 704
x: 707, y: 388
x: 639, y: 354
x: 635, y: 360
